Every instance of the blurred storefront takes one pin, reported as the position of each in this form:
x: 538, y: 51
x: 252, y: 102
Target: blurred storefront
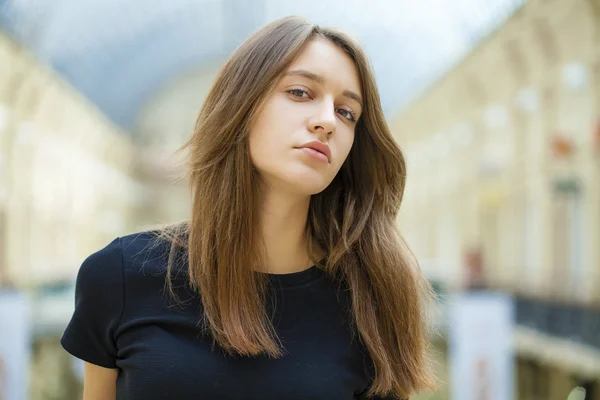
x: 66, y: 189
x: 58, y: 152
x: 504, y: 186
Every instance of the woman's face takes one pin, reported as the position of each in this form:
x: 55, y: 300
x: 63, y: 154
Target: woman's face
x: 305, y: 131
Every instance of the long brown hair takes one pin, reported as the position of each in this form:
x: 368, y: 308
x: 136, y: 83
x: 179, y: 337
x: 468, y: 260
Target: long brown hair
x: 353, y: 220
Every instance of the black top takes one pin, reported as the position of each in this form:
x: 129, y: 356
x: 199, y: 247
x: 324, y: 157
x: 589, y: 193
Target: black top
x: 123, y: 319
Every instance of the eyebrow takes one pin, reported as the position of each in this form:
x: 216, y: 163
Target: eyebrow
x: 321, y: 80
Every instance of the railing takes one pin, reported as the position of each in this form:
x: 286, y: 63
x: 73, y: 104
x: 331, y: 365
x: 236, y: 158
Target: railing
x: 575, y: 322
x: 571, y: 321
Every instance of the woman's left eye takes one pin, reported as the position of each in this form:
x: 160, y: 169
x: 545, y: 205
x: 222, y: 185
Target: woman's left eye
x: 347, y: 114
x: 298, y: 93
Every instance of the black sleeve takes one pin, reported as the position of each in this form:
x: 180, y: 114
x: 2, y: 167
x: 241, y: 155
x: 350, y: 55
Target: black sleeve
x: 362, y: 396
x: 99, y: 300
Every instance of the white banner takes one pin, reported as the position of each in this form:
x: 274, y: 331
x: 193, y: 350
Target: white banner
x: 15, y: 345
x: 481, y: 346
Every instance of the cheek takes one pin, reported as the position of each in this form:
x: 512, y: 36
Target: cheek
x: 266, y: 139
x: 344, y: 145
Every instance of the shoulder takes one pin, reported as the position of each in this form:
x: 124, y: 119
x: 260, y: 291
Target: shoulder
x: 133, y: 252
x: 102, y: 268
x: 146, y: 259
x: 131, y: 267
x: 143, y: 245
x: 145, y: 252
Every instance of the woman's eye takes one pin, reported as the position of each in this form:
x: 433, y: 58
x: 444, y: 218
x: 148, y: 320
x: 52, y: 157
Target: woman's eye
x: 349, y: 115
x: 298, y: 93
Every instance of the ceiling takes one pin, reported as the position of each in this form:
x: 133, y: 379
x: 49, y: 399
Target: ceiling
x: 121, y: 53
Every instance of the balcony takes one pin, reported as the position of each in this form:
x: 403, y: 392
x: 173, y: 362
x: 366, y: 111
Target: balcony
x: 575, y: 322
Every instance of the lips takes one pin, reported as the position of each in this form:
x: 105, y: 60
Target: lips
x: 318, y: 147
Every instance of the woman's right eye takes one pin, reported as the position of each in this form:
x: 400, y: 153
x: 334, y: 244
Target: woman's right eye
x: 299, y: 93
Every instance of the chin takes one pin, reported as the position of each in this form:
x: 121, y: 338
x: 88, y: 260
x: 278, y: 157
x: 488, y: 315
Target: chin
x: 308, y: 183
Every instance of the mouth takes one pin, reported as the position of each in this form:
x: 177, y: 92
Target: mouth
x: 317, y: 150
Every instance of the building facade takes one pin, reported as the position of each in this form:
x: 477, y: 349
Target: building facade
x: 503, y: 187
x: 503, y: 158
x: 66, y: 182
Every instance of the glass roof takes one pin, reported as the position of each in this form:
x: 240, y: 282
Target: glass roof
x: 119, y: 52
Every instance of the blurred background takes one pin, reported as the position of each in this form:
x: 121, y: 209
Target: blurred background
x: 496, y: 104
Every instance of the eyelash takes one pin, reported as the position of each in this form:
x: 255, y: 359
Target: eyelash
x: 352, y: 117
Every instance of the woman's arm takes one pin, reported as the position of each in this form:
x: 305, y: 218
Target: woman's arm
x: 99, y: 383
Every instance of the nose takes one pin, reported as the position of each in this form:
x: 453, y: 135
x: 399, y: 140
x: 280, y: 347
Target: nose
x: 324, y: 119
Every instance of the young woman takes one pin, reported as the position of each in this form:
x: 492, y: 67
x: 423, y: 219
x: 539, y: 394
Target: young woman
x: 290, y: 280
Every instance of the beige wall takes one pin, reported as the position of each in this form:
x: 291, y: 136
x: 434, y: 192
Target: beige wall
x: 163, y: 125
x: 65, y: 173
x: 481, y: 166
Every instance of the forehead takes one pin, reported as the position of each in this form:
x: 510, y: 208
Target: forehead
x: 322, y: 57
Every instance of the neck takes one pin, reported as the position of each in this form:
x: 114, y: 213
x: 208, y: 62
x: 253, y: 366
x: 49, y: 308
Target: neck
x: 283, y: 223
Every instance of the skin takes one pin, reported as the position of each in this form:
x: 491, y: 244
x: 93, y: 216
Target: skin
x: 300, y: 110
x: 321, y: 103
x: 99, y: 383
